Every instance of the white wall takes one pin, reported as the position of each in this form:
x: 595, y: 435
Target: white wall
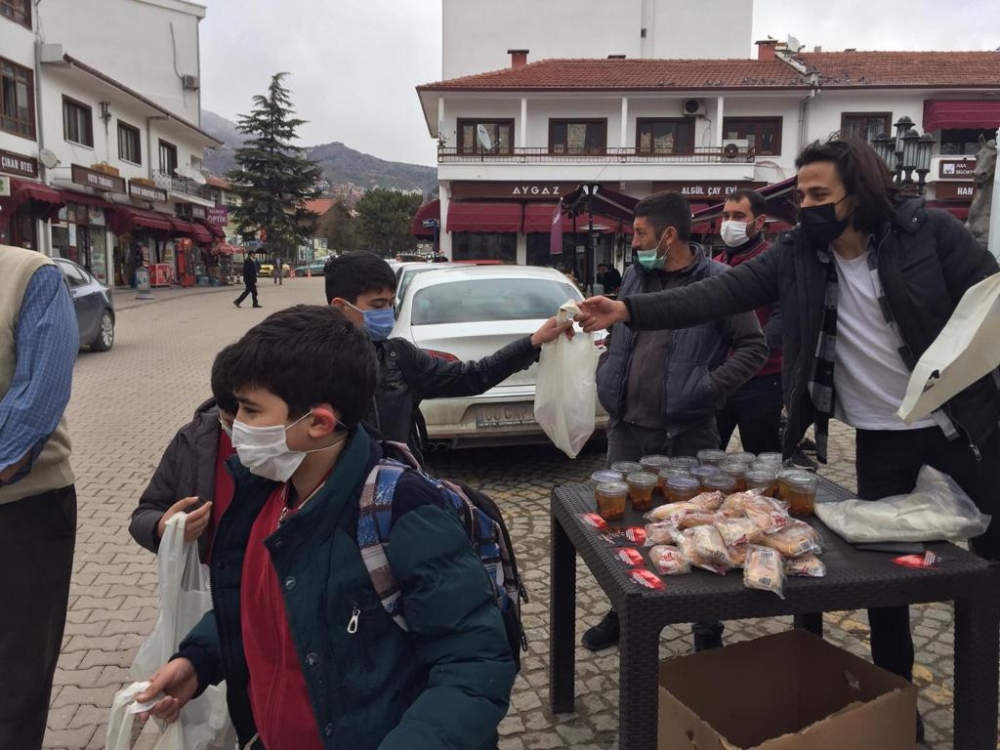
x: 17, y: 45
x: 478, y: 33
x: 825, y: 110
x: 130, y: 40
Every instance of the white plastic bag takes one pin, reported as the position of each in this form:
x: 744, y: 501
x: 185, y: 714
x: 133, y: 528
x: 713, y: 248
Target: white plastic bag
x: 566, y: 393
x: 184, y: 598
x: 936, y: 510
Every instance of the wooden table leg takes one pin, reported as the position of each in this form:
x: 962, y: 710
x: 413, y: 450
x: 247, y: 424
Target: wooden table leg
x: 639, y: 663
x: 977, y: 650
x: 562, y: 630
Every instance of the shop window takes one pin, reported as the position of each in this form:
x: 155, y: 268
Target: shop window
x: 665, y: 136
x: 129, y: 143
x: 484, y: 246
x: 865, y: 125
x: 762, y: 134
x: 18, y: 11
x: 578, y: 136
x: 78, y: 122
x: 17, y: 99
x: 168, y: 158
x: 500, y: 132
x: 963, y: 142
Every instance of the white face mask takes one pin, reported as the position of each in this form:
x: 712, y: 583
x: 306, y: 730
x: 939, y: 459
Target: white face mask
x: 226, y: 428
x: 734, y: 233
x: 264, y: 450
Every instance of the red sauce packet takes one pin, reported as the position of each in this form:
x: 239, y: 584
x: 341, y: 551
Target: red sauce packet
x: 646, y: 578
x: 926, y: 560
x: 630, y: 557
x: 625, y: 536
x: 593, y: 519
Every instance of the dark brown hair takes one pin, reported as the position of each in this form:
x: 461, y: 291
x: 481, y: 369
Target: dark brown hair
x: 664, y: 210
x: 865, y: 176
x: 757, y: 203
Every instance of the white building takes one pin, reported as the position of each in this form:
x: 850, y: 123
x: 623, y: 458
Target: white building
x: 109, y: 134
x: 478, y: 33
x: 513, y: 141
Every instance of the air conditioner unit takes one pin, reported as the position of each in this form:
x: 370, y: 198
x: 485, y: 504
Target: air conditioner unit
x: 190, y: 83
x: 735, y: 149
x: 694, y: 107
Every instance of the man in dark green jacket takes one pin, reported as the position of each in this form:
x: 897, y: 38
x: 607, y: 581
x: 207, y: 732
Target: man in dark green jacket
x: 310, y: 656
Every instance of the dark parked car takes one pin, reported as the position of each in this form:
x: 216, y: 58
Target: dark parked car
x: 95, y: 308
x: 315, y: 268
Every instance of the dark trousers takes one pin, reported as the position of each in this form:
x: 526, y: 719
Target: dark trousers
x: 888, y: 463
x: 629, y: 442
x: 36, y: 561
x: 251, y: 288
x: 756, y: 409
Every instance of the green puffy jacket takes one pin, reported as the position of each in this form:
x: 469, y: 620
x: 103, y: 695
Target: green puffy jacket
x: 444, y: 684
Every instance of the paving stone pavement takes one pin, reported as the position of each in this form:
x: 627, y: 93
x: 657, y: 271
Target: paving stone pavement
x: 128, y: 403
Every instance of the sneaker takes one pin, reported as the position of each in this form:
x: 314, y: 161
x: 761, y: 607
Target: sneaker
x: 801, y: 459
x: 258, y: 305
x: 236, y: 303
x: 807, y: 445
x: 604, y: 634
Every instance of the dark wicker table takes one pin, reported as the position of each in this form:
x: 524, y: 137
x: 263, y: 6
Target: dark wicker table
x: 855, y: 580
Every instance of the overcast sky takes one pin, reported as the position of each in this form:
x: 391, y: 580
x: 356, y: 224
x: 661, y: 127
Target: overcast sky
x: 353, y: 64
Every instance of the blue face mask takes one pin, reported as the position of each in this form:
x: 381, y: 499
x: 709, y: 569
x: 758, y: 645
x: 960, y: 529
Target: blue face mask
x: 378, y: 323
x: 649, y: 259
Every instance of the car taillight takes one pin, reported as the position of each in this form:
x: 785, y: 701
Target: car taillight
x: 441, y: 355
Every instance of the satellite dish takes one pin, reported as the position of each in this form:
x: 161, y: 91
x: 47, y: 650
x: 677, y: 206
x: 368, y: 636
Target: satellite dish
x: 197, y: 177
x: 48, y: 158
x: 485, y: 141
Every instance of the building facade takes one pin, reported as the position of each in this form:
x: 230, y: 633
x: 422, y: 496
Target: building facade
x: 109, y: 134
x: 513, y: 141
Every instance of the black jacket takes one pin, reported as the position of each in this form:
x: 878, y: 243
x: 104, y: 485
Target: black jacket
x: 926, y: 261
x: 408, y: 375
x: 187, y: 469
x: 249, y: 272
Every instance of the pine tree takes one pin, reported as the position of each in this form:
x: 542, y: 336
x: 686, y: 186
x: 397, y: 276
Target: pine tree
x: 273, y: 177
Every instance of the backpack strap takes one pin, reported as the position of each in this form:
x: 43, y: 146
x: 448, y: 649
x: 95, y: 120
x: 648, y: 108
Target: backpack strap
x: 374, y: 525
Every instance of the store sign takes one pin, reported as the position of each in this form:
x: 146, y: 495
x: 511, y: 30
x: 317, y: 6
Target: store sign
x: 218, y: 216
x: 540, y: 191
x: 950, y: 191
x: 146, y: 192
x: 956, y: 168
x: 705, y: 190
x: 191, y: 211
x: 97, y: 180
x: 12, y: 163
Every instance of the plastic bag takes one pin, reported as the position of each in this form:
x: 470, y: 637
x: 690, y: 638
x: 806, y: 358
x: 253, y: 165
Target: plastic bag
x: 709, y: 501
x: 796, y: 539
x: 936, y: 510
x: 807, y: 566
x: 668, y: 560
x: 661, y: 532
x: 765, y: 570
x: 184, y: 598
x: 735, y: 531
x: 566, y: 391
x: 767, y: 514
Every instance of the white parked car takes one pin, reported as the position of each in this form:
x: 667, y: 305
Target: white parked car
x: 467, y: 313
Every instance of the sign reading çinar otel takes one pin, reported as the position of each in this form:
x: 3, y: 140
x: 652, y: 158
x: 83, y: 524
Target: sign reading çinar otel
x: 24, y: 166
x: 97, y: 180
x: 147, y: 192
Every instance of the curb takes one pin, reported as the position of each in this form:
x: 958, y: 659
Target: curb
x: 131, y: 303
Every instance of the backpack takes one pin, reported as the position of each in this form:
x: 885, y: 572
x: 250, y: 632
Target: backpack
x: 482, y: 521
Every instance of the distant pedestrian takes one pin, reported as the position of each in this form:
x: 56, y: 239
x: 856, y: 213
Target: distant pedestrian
x: 278, y: 271
x: 249, y: 279
x: 38, y: 345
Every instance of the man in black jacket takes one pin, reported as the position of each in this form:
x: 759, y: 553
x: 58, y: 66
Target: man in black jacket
x: 363, y: 286
x: 249, y: 279
x: 866, y: 283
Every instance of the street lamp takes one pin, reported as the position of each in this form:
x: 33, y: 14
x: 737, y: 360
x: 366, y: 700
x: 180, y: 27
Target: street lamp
x: 903, y: 126
x: 924, y: 147
x: 905, y: 153
x: 910, y: 141
x: 884, y: 145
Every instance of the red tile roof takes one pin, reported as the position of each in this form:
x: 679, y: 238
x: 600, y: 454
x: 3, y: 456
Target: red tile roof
x: 320, y: 206
x: 629, y: 75
x: 905, y: 69
x: 219, y: 182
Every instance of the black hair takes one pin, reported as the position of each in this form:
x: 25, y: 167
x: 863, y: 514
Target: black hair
x: 758, y: 205
x: 357, y: 273
x: 222, y: 386
x: 666, y: 209
x: 865, y: 176
x: 308, y: 355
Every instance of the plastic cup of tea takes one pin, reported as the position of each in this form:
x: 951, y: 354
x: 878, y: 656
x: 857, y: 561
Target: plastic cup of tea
x: 800, y: 492
x: 775, y: 459
x: 744, y: 456
x: 711, y: 457
x: 606, y: 475
x: 681, y: 488
x: 640, y: 489
x: 626, y: 467
x: 654, y: 463
x: 684, y: 462
x: 610, y: 498
x: 738, y: 471
x: 764, y: 480
x: 703, y: 472
x: 719, y: 483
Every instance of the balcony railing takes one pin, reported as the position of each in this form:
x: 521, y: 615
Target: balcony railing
x: 179, y: 185
x: 616, y: 155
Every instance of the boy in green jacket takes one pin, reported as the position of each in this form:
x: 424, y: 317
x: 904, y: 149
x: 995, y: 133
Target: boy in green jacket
x: 310, y: 656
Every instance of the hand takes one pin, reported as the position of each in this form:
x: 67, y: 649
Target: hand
x: 196, y: 522
x: 550, y: 331
x: 11, y: 471
x: 178, y: 682
x: 600, y: 312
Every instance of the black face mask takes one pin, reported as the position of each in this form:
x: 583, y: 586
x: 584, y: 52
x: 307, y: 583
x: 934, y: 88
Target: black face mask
x: 820, y: 223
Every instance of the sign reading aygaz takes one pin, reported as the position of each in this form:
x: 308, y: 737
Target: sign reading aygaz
x: 97, y: 180
x: 530, y: 191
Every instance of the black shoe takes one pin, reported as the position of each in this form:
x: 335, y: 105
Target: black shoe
x: 258, y: 305
x: 807, y: 445
x: 920, y: 728
x: 706, y: 642
x: 604, y: 634
x: 236, y: 303
x: 801, y: 459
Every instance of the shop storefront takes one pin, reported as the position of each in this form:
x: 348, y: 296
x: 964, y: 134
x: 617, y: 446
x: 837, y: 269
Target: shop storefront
x: 24, y: 202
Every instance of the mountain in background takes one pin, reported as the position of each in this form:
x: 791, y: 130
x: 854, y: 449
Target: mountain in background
x: 345, y: 169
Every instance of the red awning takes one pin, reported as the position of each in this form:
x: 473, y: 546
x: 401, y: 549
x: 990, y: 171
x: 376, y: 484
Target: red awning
x: 124, y: 220
x: 215, y: 230
x: 22, y: 191
x: 538, y: 218
x: 959, y: 210
x: 85, y: 199
x: 961, y: 113
x: 201, y: 235
x: 484, y: 217
x: 429, y: 210
x: 703, y: 227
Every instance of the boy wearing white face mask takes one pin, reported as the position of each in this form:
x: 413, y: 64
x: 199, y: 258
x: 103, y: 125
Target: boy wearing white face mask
x: 756, y: 406
x: 310, y: 656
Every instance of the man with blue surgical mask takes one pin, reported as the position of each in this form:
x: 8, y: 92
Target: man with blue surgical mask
x: 662, y: 389
x: 363, y: 287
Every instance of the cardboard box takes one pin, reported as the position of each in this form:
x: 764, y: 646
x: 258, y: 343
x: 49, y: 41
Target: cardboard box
x: 790, y: 691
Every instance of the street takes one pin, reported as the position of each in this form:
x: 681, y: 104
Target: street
x: 127, y: 405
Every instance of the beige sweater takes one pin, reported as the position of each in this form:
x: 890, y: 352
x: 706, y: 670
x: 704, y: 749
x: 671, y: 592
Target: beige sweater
x: 51, y: 471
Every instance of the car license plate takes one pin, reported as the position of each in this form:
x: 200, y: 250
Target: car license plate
x: 505, y: 415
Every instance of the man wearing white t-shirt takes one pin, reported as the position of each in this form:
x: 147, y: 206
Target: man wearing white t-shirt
x: 865, y: 282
